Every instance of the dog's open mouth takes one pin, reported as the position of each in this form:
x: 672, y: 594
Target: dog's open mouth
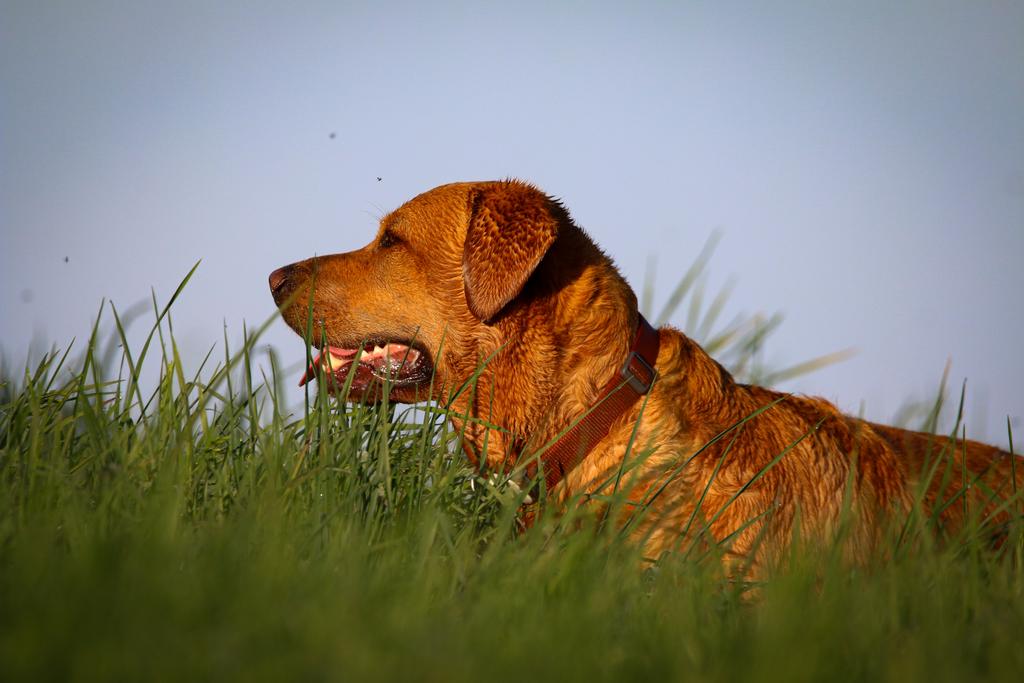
x: 396, y: 364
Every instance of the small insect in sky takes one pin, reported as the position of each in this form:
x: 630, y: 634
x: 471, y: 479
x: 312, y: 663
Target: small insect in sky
x: 332, y: 135
x: 65, y: 259
x: 379, y: 179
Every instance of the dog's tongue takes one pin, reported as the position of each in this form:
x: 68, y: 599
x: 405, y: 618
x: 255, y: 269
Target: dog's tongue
x: 337, y: 357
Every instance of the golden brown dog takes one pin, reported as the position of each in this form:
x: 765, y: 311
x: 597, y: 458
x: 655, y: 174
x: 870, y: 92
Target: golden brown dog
x: 496, y: 273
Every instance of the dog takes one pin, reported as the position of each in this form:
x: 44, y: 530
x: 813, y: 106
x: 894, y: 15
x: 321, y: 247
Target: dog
x: 486, y: 297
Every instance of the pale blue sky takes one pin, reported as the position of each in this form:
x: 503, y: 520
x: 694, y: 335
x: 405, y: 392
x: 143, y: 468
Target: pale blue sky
x: 864, y: 160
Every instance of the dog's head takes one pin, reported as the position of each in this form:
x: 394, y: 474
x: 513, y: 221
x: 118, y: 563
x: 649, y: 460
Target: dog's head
x: 425, y: 301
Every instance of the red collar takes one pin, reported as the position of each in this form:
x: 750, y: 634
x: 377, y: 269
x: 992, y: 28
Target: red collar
x: 618, y: 396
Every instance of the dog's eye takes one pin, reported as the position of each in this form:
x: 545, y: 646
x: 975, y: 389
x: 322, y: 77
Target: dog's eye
x: 388, y: 239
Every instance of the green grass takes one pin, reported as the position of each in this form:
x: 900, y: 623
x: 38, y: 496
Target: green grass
x: 195, y: 530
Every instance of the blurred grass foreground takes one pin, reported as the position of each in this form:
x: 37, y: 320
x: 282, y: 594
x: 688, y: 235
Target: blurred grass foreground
x: 197, y: 529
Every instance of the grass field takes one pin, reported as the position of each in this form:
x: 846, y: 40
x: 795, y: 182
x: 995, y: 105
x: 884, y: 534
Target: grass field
x: 194, y: 530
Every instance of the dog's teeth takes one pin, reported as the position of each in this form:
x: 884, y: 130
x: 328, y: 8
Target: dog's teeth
x: 377, y: 351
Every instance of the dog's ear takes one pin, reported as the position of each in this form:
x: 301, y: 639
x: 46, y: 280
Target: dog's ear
x: 511, y: 227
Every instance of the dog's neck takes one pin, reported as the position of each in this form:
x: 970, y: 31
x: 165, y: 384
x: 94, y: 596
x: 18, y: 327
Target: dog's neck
x: 578, y: 332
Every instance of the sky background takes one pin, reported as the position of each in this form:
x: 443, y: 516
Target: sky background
x: 864, y: 162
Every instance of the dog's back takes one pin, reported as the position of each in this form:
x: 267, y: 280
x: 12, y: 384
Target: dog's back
x: 755, y: 468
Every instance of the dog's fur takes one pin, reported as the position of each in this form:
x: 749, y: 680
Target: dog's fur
x: 498, y: 272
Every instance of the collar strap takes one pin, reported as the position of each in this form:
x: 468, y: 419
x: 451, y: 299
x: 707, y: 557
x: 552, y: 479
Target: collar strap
x: 619, y: 395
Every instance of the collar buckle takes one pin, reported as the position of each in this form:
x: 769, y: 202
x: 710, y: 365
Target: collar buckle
x: 639, y: 384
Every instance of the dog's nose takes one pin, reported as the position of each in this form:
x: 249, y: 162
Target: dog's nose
x: 282, y: 283
x: 286, y: 279
x: 278, y: 278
